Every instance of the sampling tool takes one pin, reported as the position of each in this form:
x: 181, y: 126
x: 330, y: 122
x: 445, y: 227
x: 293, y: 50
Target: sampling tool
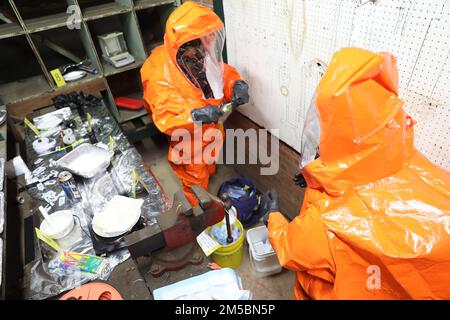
x: 227, y: 206
x: 46, y: 217
x: 226, y: 107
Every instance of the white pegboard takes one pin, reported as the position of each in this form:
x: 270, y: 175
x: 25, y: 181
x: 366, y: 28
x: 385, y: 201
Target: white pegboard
x: 277, y: 44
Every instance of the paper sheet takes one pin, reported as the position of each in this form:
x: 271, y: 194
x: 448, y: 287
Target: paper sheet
x: 207, y: 243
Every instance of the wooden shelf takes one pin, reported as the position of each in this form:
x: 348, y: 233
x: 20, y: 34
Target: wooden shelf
x: 104, y: 10
x: 24, y: 89
x: 144, y: 4
x: 47, y: 22
x: 88, y: 85
x: 8, y: 30
x: 109, y: 70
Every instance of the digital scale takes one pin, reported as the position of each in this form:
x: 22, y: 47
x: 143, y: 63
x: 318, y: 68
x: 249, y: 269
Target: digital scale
x: 114, y: 49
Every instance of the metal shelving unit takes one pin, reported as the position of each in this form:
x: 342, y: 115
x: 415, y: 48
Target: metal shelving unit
x: 42, y: 23
x: 105, y: 10
x: 144, y: 4
x: 38, y: 23
x: 10, y: 30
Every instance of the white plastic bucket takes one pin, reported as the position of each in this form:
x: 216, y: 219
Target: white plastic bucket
x: 265, y: 263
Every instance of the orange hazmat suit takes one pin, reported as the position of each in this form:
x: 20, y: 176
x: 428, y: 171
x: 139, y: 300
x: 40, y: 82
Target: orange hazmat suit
x: 171, y: 94
x: 375, y: 221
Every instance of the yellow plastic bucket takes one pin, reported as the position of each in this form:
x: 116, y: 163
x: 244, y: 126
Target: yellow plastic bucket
x: 230, y: 256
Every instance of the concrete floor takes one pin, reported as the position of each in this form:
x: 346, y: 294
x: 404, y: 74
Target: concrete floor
x: 280, y: 286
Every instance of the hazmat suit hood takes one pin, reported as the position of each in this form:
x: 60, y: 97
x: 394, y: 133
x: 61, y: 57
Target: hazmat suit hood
x: 195, y: 32
x: 374, y: 223
x: 364, y: 133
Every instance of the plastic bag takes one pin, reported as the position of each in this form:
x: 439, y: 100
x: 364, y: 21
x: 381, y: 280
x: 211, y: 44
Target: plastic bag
x: 243, y: 197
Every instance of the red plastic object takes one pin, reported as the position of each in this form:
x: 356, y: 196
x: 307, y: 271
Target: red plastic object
x: 93, y: 291
x: 129, y: 103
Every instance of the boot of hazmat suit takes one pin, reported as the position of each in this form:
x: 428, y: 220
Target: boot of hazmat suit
x: 375, y: 222
x: 185, y: 82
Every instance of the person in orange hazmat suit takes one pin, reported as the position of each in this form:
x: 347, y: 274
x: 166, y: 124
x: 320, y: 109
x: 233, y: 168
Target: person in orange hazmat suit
x: 375, y: 221
x: 185, y: 83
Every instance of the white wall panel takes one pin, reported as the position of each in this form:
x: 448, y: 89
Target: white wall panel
x: 279, y: 45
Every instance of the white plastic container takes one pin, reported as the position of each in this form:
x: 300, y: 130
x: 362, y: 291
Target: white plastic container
x: 59, y: 226
x: 262, y: 257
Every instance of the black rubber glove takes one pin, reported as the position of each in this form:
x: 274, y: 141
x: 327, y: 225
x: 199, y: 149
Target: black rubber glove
x: 269, y: 203
x: 208, y: 114
x: 299, y: 180
x: 240, y: 93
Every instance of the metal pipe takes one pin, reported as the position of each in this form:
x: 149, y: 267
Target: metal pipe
x: 227, y: 206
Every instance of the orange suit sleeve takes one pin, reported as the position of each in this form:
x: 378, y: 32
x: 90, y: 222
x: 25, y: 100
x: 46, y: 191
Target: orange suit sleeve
x: 302, y: 244
x: 169, y: 109
x: 230, y: 77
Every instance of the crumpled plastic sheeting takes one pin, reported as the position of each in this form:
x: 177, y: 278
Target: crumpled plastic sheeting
x: 96, y: 192
x: 118, y: 182
x: 47, y: 281
x: 375, y: 221
x: 155, y: 201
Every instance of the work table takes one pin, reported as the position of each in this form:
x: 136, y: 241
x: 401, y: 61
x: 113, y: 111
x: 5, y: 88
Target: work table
x: 39, y: 281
